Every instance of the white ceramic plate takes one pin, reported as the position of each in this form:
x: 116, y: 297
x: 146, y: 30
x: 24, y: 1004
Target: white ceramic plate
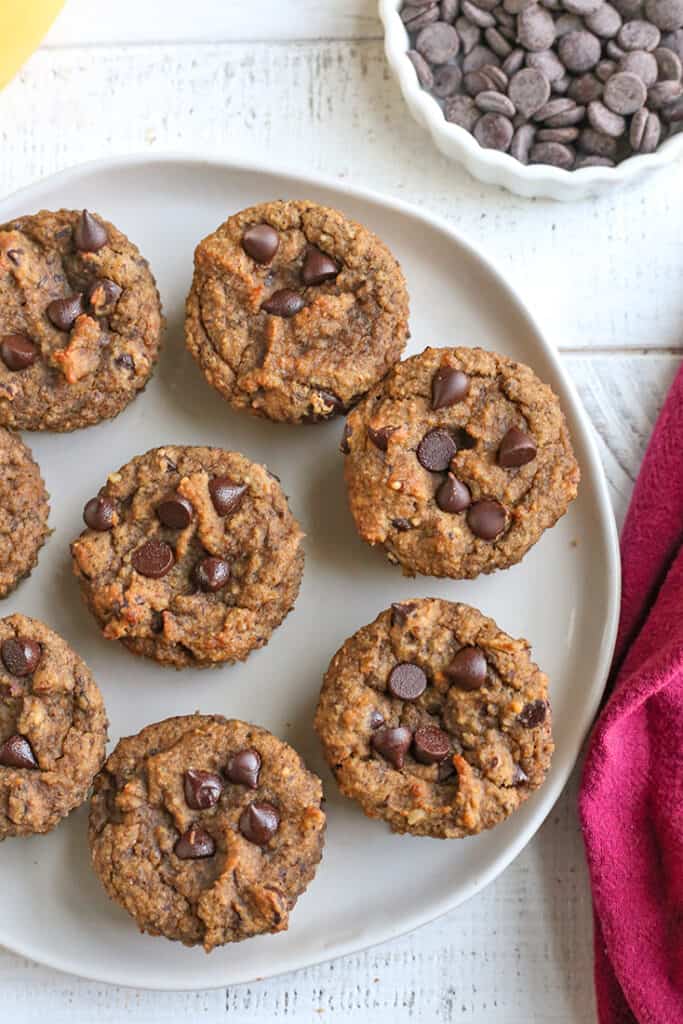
x: 371, y: 885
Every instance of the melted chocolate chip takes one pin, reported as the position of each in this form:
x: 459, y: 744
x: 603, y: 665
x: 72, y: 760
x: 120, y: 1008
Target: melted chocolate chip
x: 376, y: 719
x: 226, y: 495
x: 202, y: 789
x: 431, y: 745
x: 259, y: 822
x: 103, y: 295
x: 468, y: 669
x: 212, y: 574
x: 14, y: 256
x: 20, y: 655
x: 519, y: 776
x: 448, y: 387
x: 407, y: 681
x: 18, y: 352
x: 328, y: 398
x: 380, y: 437
x: 175, y: 512
x: 516, y: 449
x: 99, y: 513
x: 261, y: 242
x: 453, y: 496
x: 318, y: 267
x: 194, y: 844
x: 400, y: 613
x: 446, y: 770
x: 126, y: 362
x: 533, y: 714
x: 486, y: 519
x: 244, y: 767
x: 285, y: 303
x: 64, y: 312
x: 89, y: 234
x: 16, y: 752
x: 401, y: 524
x: 435, y: 450
x: 346, y: 437
x: 153, y: 559
x: 393, y: 744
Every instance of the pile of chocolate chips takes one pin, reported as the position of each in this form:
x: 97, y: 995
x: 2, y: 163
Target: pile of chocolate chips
x: 570, y: 83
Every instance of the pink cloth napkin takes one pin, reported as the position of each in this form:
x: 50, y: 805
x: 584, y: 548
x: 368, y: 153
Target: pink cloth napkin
x: 631, y: 801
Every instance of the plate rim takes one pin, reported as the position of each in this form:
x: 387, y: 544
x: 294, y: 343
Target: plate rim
x: 548, y: 795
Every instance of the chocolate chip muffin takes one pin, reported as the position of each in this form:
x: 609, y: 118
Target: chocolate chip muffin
x: 435, y: 720
x: 24, y: 510
x: 53, y: 728
x: 80, y: 321
x: 295, y: 311
x: 206, y: 830
x: 457, y: 462
x: 191, y: 556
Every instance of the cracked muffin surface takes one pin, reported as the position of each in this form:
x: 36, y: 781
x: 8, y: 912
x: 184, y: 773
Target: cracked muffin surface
x: 80, y: 321
x: 191, y: 556
x: 295, y: 311
x: 24, y: 511
x: 53, y: 727
x: 457, y: 462
x: 206, y: 830
x: 435, y: 720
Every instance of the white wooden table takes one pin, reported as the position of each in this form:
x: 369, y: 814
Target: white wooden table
x: 303, y: 82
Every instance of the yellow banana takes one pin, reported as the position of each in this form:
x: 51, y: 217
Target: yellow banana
x: 23, y: 23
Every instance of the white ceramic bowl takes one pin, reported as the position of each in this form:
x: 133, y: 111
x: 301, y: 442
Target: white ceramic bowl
x: 495, y: 168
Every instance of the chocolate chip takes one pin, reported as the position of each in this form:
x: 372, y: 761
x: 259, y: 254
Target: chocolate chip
x: 157, y: 622
x: 449, y: 387
x: 516, y: 449
x: 401, y: 524
x: 486, y: 519
x: 344, y: 447
x: 175, y: 512
x: 431, y: 745
x: 376, y: 719
x: 625, y: 93
x: 328, y: 398
x: 99, y: 513
x: 194, y: 844
x: 446, y: 770
x: 529, y: 90
x: 103, y: 295
x: 380, y: 437
x: 639, y: 35
x: 126, y: 362
x: 467, y: 670
x: 16, y: 752
x: 579, y: 51
x: 226, y: 495
x: 494, y: 131
x: 18, y: 352
x: 435, y: 450
x: 553, y: 153
x: 519, y: 776
x: 667, y: 15
x: 202, y: 789
x: 447, y: 80
x: 21, y: 656
x: 285, y: 303
x: 212, y: 574
x: 393, y: 744
x: 153, y: 559
x: 407, y: 681
x: 400, y: 613
x: 259, y: 822
x: 243, y: 768
x: 533, y: 714
x: 89, y: 234
x: 318, y: 267
x: 452, y: 495
x: 63, y: 312
x: 261, y: 242
x: 14, y: 256
x: 438, y: 43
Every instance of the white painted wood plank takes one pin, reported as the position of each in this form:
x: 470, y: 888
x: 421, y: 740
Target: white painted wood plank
x: 97, y: 21
x: 520, y: 952
x: 592, y: 271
